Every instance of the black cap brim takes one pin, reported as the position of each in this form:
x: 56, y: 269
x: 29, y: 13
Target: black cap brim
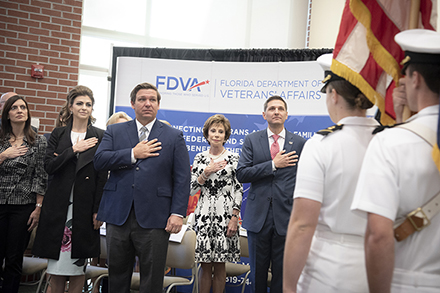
x: 329, y: 77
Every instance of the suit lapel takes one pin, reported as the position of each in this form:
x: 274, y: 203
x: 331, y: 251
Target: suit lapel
x: 132, y: 131
x: 156, y: 130
x: 65, y: 139
x: 264, y: 142
x: 289, y: 142
x: 86, y: 157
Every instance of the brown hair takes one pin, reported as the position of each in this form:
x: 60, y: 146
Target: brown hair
x: 217, y: 119
x: 6, y: 127
x: 430, y: 73
x: 145, y: 86
x: 351, y: 94
x: 59, y: 122
x: 274, y: 98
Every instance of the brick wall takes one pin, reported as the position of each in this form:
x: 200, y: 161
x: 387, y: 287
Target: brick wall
x: 44, y: 32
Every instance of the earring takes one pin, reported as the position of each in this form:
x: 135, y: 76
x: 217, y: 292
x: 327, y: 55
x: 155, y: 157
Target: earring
x: 71, y: 112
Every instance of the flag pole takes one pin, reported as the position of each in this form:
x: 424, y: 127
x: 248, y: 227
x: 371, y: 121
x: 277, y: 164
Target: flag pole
x: 414, y: 14
x: 413, y: 23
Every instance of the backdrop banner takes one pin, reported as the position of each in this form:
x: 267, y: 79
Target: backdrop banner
x: 192, y: 91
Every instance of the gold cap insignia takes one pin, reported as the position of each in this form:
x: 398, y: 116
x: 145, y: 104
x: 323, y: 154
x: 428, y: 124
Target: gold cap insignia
x: 406, y: 60
x: 327, y: 78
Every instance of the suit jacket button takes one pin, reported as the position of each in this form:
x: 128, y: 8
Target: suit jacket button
x: 87, y: 178
x: 132, y: 186
x: 137, y: 168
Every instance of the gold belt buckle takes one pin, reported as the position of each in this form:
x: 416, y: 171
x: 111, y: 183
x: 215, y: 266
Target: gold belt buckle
x: 428, y: 222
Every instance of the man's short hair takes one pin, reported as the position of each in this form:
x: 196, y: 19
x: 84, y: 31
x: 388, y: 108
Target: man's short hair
x: 145, y: 86
x: 274, y: 98
x: 430, y: 73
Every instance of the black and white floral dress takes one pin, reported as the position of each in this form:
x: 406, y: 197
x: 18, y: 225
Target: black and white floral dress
x: 220, y: 194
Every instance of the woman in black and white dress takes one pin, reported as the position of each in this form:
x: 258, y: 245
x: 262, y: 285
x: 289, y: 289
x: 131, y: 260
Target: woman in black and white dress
x: 216, y: 214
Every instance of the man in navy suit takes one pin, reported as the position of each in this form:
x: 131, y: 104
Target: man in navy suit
x: 268, y: 161
x: 146, y: 195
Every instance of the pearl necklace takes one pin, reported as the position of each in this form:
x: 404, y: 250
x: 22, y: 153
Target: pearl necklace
x: 215, y: 158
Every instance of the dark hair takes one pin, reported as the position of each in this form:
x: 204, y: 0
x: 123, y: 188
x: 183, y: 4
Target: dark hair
x: 59, y: 121
x: 217, y: 119
x: 80, y: 90
x: 6, y: 127
x: 430, y: 73
x: 274, y: 98
x: 351, y: 94
x: 145, y: 86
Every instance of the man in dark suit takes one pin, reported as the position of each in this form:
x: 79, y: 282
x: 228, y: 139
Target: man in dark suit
x: 268, y: 161
x: 146, y: 195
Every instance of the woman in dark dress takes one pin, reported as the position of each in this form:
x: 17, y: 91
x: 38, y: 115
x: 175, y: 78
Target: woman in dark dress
x: 69, y: 232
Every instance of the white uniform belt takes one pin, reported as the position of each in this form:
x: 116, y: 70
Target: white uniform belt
x: 325, y: 233
x: 416, y: 279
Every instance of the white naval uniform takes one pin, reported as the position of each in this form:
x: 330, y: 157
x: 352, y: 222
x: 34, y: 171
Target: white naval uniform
x: 399, y: 175
x: 327, y: 173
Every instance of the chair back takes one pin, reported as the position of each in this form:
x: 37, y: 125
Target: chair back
x: 103, y: 243
x: 182, y: 255
x: 244, y: 248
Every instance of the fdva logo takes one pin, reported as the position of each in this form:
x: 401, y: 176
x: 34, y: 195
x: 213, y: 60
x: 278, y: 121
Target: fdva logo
x: 173, y: 83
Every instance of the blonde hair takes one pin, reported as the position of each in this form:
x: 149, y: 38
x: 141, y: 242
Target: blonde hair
x: 166, y: 122
x: 116, y: 116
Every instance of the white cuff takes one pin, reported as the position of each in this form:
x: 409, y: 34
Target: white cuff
x: 133, y: 160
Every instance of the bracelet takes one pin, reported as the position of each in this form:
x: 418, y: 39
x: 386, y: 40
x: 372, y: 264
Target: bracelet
x: 234, y: 215
x: 39, y: 205
x: 204, y: 177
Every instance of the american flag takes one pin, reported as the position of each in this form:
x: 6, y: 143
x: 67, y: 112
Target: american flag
x: 365, y: 51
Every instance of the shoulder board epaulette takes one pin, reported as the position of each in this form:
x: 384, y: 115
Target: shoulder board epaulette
x: 383, y: 127
x: 330, y: 129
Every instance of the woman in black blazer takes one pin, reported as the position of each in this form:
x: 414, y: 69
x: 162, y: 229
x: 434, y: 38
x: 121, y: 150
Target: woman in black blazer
x: 68, y: 233
x: 22, y: 186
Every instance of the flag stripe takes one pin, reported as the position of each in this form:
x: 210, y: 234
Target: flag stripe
x: 426, y: 14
